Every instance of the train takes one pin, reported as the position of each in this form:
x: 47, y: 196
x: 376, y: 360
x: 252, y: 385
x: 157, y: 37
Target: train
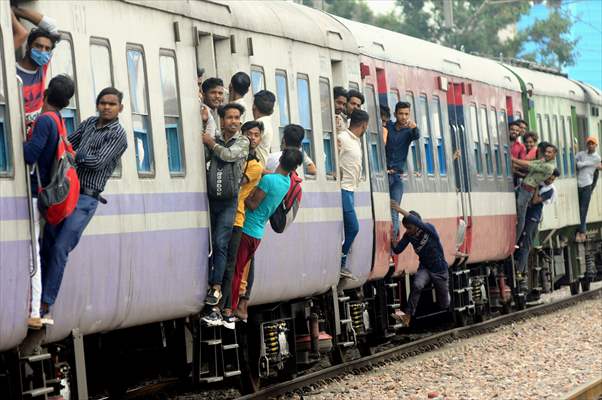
x: 129, y: 307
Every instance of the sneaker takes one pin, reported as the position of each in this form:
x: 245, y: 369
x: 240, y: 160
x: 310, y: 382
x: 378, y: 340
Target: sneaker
x: 346, y: 273
x: 34, y: 323
x: 47, y: 319
x: 214, y: 318
x: 402, y: 317
x: 213, y: 296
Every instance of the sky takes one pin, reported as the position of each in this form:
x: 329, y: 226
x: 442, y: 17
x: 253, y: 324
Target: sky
x: 588, y: 27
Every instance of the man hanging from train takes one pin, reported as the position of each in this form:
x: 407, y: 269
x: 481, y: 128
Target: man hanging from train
x: 517, y: 149
x: 263, y: 108
x: 400, y: 135
x: 340, y: 108
x: 524, y: 128
x: 292, y: 138
x: 226, y: 154
x: 33, y: 67
x: 588, y: 161
x: 251, y: 175
x: 40, y: 151
x: 355, y: 101
x: 213, y: 97
x: 432, y: 265
x: 239, y: 87
x: 538, y: 171
x: 99, y: 142
x: 544, y: 195
x: 350, y: 161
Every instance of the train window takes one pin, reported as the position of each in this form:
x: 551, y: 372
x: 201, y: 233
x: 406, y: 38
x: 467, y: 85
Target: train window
x: 547, y: 129
x: 503, y: 133
x: 257, y: 79
x: 327, y: 138
x: 540, y: 127
x: 304, y: 103
x: 414, y: 149
x: 438, y: 128
x: 571, y: 143
x: 393, y: 99
x: 374, y: 141
x: 558, y: 140
x: 5, y: 159
x: 476, y: 137
x: 424, y: 124
x: 100, y: 65
x: 62, y: 63
x: 486, y: 134
x: 354, y: 86
x: 566, y: 148
x: 140, y: 110
x: 495, y: 134
x: 283, y: 103
x: 171, y: 112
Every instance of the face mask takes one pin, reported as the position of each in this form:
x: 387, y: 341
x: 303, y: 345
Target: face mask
x: 40, y: 57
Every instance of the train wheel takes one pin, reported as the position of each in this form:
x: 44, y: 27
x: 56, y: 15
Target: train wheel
x: 575, y: 287
x: 585, y: 282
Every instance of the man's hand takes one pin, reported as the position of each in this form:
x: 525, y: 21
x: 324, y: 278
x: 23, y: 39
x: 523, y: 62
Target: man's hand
x: 411, y: 124
x: 457, y: 155
x: 396, y: 207
x: 208, y: 140
x: 204, y: 114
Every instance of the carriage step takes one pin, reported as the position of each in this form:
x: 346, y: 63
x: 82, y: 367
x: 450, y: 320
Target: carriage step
x: 212, y: 379
x: 397, y: 326
x: 212, y: 342
x: 391, y: 285
x: 346, y: 344
x: 394, y: 306
x: 38, y: 392
x: 230, y: 346
x: 344, y: 299
x: 53, y: 381
x: 345, y: 321
x: 229, y: 374
x: 36, y: 357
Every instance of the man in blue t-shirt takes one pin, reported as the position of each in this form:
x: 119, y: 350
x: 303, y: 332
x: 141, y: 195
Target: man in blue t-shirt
x: 399, y: 137
x: 544, y: 195
x: 432, y: 268
x: 259, y: 207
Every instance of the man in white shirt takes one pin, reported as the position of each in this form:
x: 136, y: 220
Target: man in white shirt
x: 350, y: 160
x: 263, y: 108
x: 292, y: 138
x: 588, y: 162
x: 239, y: 87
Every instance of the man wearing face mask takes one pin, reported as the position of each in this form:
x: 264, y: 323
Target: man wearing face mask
x: 32, y: 68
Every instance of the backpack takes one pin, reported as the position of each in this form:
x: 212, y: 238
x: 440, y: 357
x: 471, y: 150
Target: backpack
x: 58, y: 199
x: 283, y: 216
x: 223, y: 178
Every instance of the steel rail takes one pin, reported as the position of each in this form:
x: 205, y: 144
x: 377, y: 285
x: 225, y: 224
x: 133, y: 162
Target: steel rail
x: 589, y: 391
x: 308, y: 383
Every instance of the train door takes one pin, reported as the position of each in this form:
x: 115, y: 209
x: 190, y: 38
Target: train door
x: 461, y: 172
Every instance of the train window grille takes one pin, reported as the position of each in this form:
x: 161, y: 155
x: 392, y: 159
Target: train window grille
x: 540, y: 127
x: 473, y: 122
x: 560, y: 143
x: 425, y: 129
x: 304, y: 104
x: 438, y: 128
x: 282, y: 99
x: 571, y: 145
x: 354, y: 86
x: 327, y: 124
x: 486, y: 140
x: 62, y: 63
x: 257, y: 79
x: 171, y: 112
x: 508, y: 161
x: 140, y: 111
x: 495, y: 134
x: 548, y: 129
x: 414, y: 148
x: 502, y: 131
x: 5, y: 159
x: 375, y: 155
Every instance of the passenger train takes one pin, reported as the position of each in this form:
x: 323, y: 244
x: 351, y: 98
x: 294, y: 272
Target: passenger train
x: 128, y: 310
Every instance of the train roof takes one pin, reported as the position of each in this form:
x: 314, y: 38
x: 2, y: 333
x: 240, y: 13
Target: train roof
x: 407, y: 50
x: 548, y: 84
x: 277, y: 18
x: 592, y: 93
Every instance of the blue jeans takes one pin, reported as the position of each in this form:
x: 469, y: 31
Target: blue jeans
x: 585, y: 195
x: 350, y: 222
x: 522, y: 203
x: 526, y: 244
x: 421, y: 279
x: 395, y: 193
x: 222, y: 218
x: 57, y: 243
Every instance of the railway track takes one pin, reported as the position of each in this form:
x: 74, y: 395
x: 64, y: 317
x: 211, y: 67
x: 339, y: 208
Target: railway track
x: 590, y: 391
x: 308, y: 383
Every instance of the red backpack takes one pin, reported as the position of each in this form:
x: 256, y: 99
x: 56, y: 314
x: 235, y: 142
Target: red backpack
x: 58, y: 199
x: 283, y: 216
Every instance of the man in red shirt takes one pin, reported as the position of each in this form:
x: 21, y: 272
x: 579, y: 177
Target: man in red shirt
x: 517, y: 149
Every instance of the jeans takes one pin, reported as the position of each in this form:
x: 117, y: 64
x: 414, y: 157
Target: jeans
x: 522, y: 203
x: 350, y: 222
x: 526, y: 244
x: 246, y: 250
x: 395, y: 193
x: 230, y: 265
x: 222, y: 218
x: 58, y: 241
x: 421, y: 279
x: 585, y: 195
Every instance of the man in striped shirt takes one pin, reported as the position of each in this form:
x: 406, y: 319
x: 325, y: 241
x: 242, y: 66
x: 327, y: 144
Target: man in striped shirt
x: 99, y: 143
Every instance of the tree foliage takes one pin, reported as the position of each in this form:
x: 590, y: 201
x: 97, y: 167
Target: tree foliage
x: 485, y: 27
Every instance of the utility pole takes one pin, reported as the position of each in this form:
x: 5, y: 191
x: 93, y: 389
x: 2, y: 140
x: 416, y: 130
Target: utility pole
x: 448, y: 14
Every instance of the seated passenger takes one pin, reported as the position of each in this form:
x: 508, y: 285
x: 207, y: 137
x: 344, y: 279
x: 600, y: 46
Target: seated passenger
x: 227, y: 154
x: 213, y: 97
x: 588, y: 162
x: 538, y: 171
x: 260, y: 205
x: 292, y: 138
x: 340, y: 108
x: 239, y: 86
x: 99, y: 142
x: 432, y: 268
x: 350, y: 159
x: 250, y: 178
x: 32, y: 68
x: 545, y: 194
x: 40, y: 150
x: 263, y: 108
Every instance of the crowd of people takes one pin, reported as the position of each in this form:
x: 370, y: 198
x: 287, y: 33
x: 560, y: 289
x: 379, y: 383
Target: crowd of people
x: 247, y: 182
